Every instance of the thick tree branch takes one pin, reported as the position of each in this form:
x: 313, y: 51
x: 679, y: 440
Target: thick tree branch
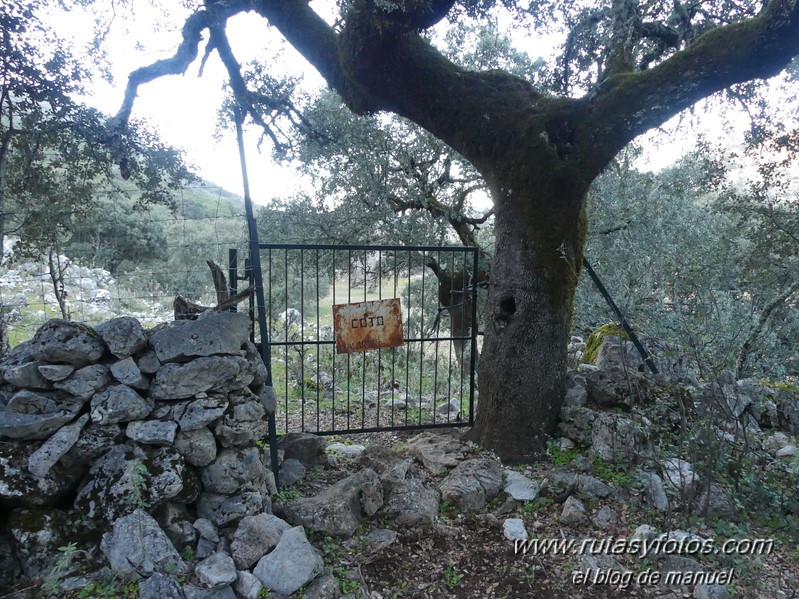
x: 629, y: 104
x: 184, y: 55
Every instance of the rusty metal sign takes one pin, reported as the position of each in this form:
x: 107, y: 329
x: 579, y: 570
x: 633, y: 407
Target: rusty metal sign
x: 368, y: 325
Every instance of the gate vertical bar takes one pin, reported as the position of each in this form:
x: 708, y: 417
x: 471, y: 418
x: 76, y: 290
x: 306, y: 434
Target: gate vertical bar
x: 233, y: 274
x: 260, y: 307
x: 473, y: 357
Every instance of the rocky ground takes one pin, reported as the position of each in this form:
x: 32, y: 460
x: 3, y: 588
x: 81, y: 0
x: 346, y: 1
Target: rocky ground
x: 466, y: 553
x: 132, y: 466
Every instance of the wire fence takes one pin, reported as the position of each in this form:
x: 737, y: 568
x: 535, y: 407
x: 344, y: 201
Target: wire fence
x: 121, y: 260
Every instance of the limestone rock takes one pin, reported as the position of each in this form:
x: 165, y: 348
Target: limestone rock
x: 616, y: 437
x: 34, y: 425
x: 200, y: 413
x: 124, y: 336
x: 680, y: 477
x: 126, y: 478
x: 198, y: 446
x: 55, y: 372
x: 159, y: 586
x: 655, y: 491
x: 38, y: 533
x: 85, y: 382
x: 148, y: 362
x: 292, y: 564
x: 18, y: 487
x: 244, y: 423
x: 410, y: 503
x: 152, y: 432
x: 222, y: 509
x: 324, y: 587
x: 235, y: 470
x: 215, y: 373
x: 119, y: 403
x: 436, y: 452
x: 472, y: 484
x: 52, y: 450
x: 519, y: 486
x: 305, y: 447
x: 137, y: 547
x: 337, y: 509
x: 127, y: 372
x: 616, y: 387
x: 94, y: 441
x: 26, y: 376
x: 218, y: 333
x: 63, y: 342
x: 192, y: 592
x: 513, y: 529
x: 255, y: 537
x: 216, y: 571
x: 247, y: 585
x: 573, y: 513
x: 291, y: 471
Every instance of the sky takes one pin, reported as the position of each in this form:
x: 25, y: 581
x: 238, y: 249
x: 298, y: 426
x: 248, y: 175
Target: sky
x: 182, y: 109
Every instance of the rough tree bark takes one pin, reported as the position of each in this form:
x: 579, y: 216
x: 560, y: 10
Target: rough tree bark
x: 538, y: 154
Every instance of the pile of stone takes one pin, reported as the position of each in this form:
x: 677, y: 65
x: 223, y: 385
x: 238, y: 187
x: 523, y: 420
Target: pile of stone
x: 135, y: 450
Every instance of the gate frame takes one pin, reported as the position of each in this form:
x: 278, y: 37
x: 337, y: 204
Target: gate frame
x: 254, y: 276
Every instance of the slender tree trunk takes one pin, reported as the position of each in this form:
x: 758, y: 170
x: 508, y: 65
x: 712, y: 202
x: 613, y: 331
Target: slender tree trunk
x: 523, y: 363
x: 760, y: 326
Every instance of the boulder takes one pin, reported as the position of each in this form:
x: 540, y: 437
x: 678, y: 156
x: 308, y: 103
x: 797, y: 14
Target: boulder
x: 255, y: 537
x: 64, y: 342
x: 18, y: 487
x: 127, y: 372
x: 337, y: 509
x: 244, y: 423
x: 43, y: 459
x: 137, y: 547
x: 217, y: 333
x: 437, y: 453
x: 119, y: 403
x: 472, y: 483
x: 615, y: 437
x: 305, y: 447
x: 198, y: 447
x: 124, y: 336
x: 292, y: 564
x: 247, y: 585
x: 215, y: 373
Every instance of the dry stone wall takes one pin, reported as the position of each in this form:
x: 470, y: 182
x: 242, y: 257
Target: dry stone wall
x: 109, y: 430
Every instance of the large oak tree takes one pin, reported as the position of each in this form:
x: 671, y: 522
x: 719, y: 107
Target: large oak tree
x: 627, y: 67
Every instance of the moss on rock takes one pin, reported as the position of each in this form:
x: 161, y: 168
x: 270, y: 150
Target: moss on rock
x: 594, y: 341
